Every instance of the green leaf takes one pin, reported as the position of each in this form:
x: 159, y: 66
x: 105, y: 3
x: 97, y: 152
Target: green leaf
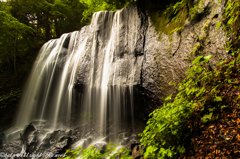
x: 181, y: 149
x: 206, y: 117
x: 149, y: 151
x: 218, y: 99
x: 223, y: 106
x: 207, y: 58
x: 198, y: 60
x: 218, y: 25
x: 169, y: 97
x: 220, y: 63
x: 198, y: 69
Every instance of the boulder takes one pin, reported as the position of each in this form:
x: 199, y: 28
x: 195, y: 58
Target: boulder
x: 26, y: 132
x: 2, y: 139
x: 54, y: 143
x: 14, y: 146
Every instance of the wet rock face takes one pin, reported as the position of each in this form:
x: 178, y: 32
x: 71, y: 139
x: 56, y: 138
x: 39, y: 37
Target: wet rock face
x: 165, y: 57
x: 15, y: 146
x: 121, y: 35
x: 48, y: 144
x: 142, y: 59
x: 26, y: 132
x: 39, y: 142
x: 54, y: 143
x: 101, y: 145
x: 2, y: 139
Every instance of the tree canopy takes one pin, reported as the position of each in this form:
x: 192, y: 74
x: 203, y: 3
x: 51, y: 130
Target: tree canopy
x: 27, y: 24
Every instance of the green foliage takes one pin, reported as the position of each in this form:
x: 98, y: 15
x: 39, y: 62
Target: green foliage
x: 9, y: 23
x: 10, y: 29
x: 196, y: 10
x: 231, y: 23
x: 11, y: 97
x: 102, y: 5
x: 67, y: 15
x: 206, y: 118
x: 202, y: 59
x: 178, y: 30
x: 218, y: 25
x: 166, y: 131
x: 112, y: 151
x: 170, y: 18
x: 195, y: 49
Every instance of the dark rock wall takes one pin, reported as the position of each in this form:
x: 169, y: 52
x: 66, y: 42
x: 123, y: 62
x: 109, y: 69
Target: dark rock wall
x: 165, y: 57
x: 146, y: 61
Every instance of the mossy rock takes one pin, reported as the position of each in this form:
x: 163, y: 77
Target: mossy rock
x: 166, y: 20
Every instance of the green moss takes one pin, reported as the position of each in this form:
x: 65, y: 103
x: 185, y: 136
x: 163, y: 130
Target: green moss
x: 166, y: 21
x: 170, y: 38
x: 171, y: 16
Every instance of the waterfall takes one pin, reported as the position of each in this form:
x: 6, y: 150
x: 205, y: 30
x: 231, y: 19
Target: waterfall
x: 86, y: 76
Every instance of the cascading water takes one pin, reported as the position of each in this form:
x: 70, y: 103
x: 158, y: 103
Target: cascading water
x: 46, y: 93
x: 86, y: 77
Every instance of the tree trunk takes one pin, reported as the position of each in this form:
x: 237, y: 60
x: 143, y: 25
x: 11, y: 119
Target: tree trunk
x: 15, y: 54
x: 37, y: 28
x: 57, y: 28
x: 47, y: 27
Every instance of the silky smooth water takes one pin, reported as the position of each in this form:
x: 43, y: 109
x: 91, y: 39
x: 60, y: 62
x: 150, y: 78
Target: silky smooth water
x: 85, y: 75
